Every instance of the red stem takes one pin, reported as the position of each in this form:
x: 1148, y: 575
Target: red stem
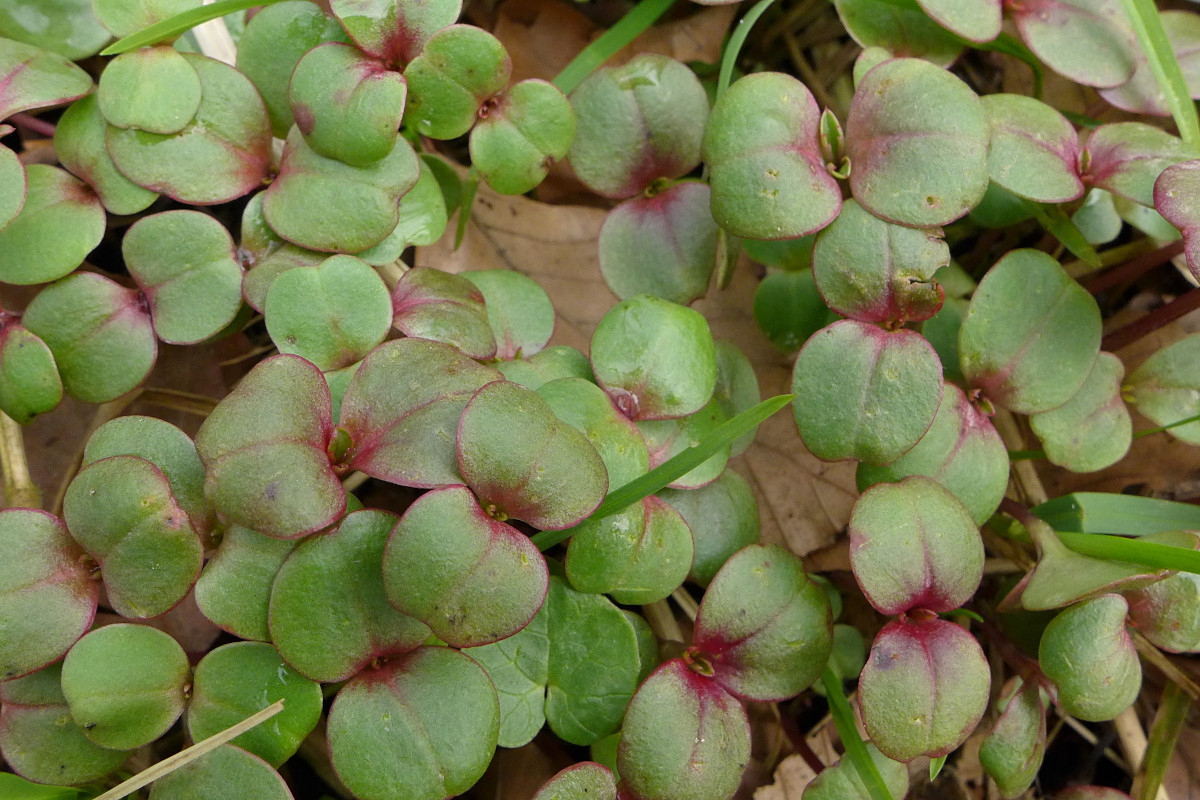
x: 32, y: 123
x: 1147, y: 324
x: 1133, y: 268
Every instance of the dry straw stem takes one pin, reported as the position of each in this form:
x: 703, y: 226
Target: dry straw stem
x: 169, y: 765
x: 19, y: 489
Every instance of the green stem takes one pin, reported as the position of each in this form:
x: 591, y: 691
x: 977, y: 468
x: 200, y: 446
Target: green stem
x: 628, y: 28
x: 673, y: 468
x: 1168, y: 722
x: 179, y: 24
x: 856, y: 748
x: 1161, y: 56
x: 1161, y: 428
x: 734, y: 46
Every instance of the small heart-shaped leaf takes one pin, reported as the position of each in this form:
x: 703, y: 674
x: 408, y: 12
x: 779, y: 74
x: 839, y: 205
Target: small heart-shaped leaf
x: 348, y: 106
x: 422, y: 726
x: 394, y: 30
x: 637, y: 123
x: 264, y: 450
x: 227, y: 773
x: 329, y: 614
x: 121, y: 510
x: 47, y: 595
x: 99, y: 333
x: 29, y: 382
x: 221, y: 154
x: 525, y: 131
x: 518, y: 309
x: 664, y: 245
x: 331, y: 315
x: 234, y: 590
x: 153, y: 89
x: 432, y: 304
x: 79, y: 142
x: 1092, y: 430
x: 31, y: 78
x: 402, y: 411
x: 60, y: 222
x: 913, y: 544
x: 236, y: 680
x: 126, y: 684
x: 185, y: 264
x: 863, y: 392
x: 518, y: 668
x: 1034, y: 150
x: 472, y: 579
x: 459, y: 69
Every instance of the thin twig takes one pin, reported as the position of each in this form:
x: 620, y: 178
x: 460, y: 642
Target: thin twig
x: 1135, y: 267
x: 169, y: 765
x: 19, y: 488
x: 1155, y: 319
x: 662, y: 622
x: 189, y: 402
x: 33, y: 124
x: 355, y: 480
x: 687, y: 604
x: 1157, y: 658
x: 807, y: 73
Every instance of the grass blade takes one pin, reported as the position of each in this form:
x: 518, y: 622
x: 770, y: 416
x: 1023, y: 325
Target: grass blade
x: 674, y: 468
x: 856, y: 748
x: 1058, y: 224
x: 736, y: 39
x: 1168, y: 722
x: 1153, y: 38
x: 1133, y: 551
x: 628, y: 28
x: 1123, y: 514
x: 179, y: 24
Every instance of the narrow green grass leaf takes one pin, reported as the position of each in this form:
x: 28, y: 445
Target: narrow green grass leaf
x: 856, y: 748
x: 1123, y: 514
x: 470, y: 187
x: 1059, y: 225
x: 935, y: 766
x: 13, y: 787
x: 179, y: 24
x: 1153, y: 37
x: 736, y: 39
x: 628, y: 28
x: 1168, y: 722
x: 676, y: 467
x: 1133, y: 551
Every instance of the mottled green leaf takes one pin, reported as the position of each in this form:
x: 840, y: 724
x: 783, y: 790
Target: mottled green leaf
x: 234, y: 590
x: 29, y: 382
x: 1126, y: 158
x: 1012, y: 752
x: 1168, y: 612
x: 459, y: 69
x: 518, y: 309
x: 80, y: 145
x: 31, y: 78
x: 1087, y: 652
x: 1034, y: 150
x: 524, y: 132
x: 432, y: 304
x: 789, y: 309
x: 723, y: 517
x: 68, y: 27
x: 153, y: 89
x: 1092, y: 430
x: 902, y: 28
x: 668, y: 438
x: 518, y: 668
x: 1088, y: 41
x: 124, y: 17
x: 61, y: 221
x: 559, y: 361
x: 227, y: 773
x: 977, y: 20
x: 584, y: 406
x: 586, y: 780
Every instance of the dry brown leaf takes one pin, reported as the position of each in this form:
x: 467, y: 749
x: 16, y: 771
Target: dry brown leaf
x: 805, y: 503
x: 542, y: 36
x: 791, y: 777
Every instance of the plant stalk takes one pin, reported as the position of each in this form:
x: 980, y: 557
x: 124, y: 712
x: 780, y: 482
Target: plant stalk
x: 1149, y: 323
x: 1164, y: 731
x: 19, y: 488
x: 1133, y: 268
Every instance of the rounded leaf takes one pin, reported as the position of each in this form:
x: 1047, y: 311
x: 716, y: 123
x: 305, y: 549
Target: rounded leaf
x: 402, y: 411
x: 723, y: 518
x: 126, y: 684
x: 1092, y: 430
x: 873, y: 271
x: 1088, y: 654
x: 523, y: 133
x: 961, y: 450
x: 976, y: 20
x: 61, y: 221
x: 331, y: 315
x: 153, y: 89
x: 394, y: 30
x: 559, y: 361
x: 1126, y: 158
x: 237, y: 680
x: 918, y: 138
x: 422, y: 726
x: 124, y: 17
x: 29, y: 382
x: 1166, y: 387
x: 329, y: 614
x: 1088, y: 41
x: 1175, y: 191
x: 121, y: 510
x: 664, y: 245
x: 585, y: 407
x: 789, y: 309
x: 68, y: 27
x: 264, y: 451
x: 227, y: 773
x: 764, y: 630
x: 1031, y: 334
x: 1142, y: 93
x: 47, y: 594
x: 656, y: 359
x: 222, y: 154
x: 842, y: 781
x: 432, y: 304
x: 422, y: 213
x: 684, y: 738
x: 79, y: 143
x: 99, y: 332
x: 459, y: 69
x: 1034, y: 150
x: 185, y: 264
x: 586, y: 780
x: 234, y: 590
x: 924, y: 688
x: 863, y: 392
x: 667, y: 438
x: 1012, y: 753
x: 901, y: 30
x: 14, y: 186
x: 525, y: 463
x: 637, y: 123
x: 638, y: 555
x: 913, y: 544
x: 322, y: 204
x: 1168, y: 612
x: 472, y: 579
x: 518, y: 309
x: 518, y: 668
x: 348, y: 106
x: 32, y: 78
x: 768, y: 177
